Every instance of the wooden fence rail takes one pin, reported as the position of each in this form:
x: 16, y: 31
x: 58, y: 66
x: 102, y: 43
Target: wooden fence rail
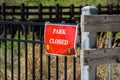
x: 101, y: 23
x: 98, y: 23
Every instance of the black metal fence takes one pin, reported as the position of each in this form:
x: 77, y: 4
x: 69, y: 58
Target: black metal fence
x: 56, y: 13
x: 22, y: 55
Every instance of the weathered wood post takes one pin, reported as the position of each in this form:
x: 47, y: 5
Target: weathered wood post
x: 88, y: 41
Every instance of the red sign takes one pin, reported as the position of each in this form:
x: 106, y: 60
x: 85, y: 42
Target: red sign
x: 60, y: 39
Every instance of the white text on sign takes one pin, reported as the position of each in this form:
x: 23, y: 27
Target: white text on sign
x: 58, y: 41
x: 59, y: 31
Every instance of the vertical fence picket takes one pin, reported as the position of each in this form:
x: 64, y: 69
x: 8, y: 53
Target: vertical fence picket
x: 0, y: 11
x: 72, y: 12
x: 57, y: 68
x: 57, y: 12
x: 12, y: 65
x: 110, y: 9
x: 3, y: 10
x: 26, y: 55
x: 99, y: 8
x: 40, y: 11
x: 22, y: 11
x: 27, y: 13
x: 118, y: 10
x: 50, y: 11
x: 5, y: 56
x: 13, y: 11
x: 33, y: 53
x: 74, y: 68
x: 41, y: 52
x: 19, y: 69
x: 65, y: 68
x: 60, y: 12
x: 48, y: 56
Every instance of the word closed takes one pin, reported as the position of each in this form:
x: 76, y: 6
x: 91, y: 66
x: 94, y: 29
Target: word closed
x: 60, y: 39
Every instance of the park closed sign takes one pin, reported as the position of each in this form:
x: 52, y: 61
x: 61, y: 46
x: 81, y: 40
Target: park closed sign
x: 60, y: 39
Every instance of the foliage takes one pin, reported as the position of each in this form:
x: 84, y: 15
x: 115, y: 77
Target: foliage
x: 118, y: 35
x: 61, y: 2
x: 15, y: 44
x: 109, y: 34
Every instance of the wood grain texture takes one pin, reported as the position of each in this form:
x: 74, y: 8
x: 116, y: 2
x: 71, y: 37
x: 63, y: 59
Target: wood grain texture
x: 101, y: 56
x: 100, y: 23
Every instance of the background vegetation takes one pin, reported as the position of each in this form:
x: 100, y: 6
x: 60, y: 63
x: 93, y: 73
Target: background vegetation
x: 61, y: 2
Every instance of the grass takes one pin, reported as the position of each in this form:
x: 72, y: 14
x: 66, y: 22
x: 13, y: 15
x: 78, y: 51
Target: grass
x: 52, y: 67
x: 102, y: 70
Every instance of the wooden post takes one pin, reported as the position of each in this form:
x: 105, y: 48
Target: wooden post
x: 88, y: 41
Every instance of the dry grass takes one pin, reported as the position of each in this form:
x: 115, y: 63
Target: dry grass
x: 52, y: 67
x: 102, y: 70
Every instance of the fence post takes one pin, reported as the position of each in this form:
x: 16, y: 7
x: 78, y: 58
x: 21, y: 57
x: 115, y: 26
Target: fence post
x: 71, y: 13
x: 3, y: 10
x: 22, y: 11
x: 50, y: 12
x: 117, y: 12
x: 40, y: 11
x: 88, y: 40
x: 110, y: 9
x: 99, y: 8
x: 57, y: 12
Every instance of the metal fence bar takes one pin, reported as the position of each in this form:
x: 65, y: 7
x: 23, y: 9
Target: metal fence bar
x: 24, y: 14
x: 12, y: 64
x: 16, y: 40
x: 41, y: 50
x: 22, y: 23
x: 74, y: 68
x: 57, y: 66
x: 48, y: 67
x: 65, y: 68
x: 33, y: 54
x: 26, y: 55
x: 25, y: 41
x: 41, y: 71
x: 5, y: 56
x: 19, y: 52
